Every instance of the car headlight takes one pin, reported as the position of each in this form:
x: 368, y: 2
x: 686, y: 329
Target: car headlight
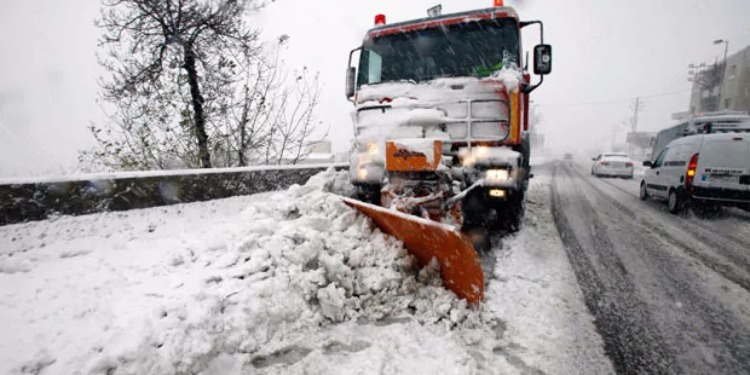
x: 495, y: 176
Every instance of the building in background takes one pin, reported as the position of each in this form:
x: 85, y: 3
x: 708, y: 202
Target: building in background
x: 721, y: 86
x: 319, y: 152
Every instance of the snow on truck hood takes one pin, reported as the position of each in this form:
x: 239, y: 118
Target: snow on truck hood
x: 442, y: 89
x: 407, y: 111
x: 284, y: 282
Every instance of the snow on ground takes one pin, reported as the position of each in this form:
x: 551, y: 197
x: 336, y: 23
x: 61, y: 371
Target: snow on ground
x: 549, y: 330
x: 290, y: 282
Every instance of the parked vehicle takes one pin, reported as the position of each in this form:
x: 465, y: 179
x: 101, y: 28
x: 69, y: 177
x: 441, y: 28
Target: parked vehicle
x: 702, y: 170
x: 612, y: 165
x: 568, y: 157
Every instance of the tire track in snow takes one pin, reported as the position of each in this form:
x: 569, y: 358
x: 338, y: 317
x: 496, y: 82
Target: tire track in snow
x: 622, y: 319
x: 725, y: 238
x: 716, y: 255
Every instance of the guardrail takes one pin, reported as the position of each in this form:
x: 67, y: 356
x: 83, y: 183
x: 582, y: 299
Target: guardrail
x: 38, y: 198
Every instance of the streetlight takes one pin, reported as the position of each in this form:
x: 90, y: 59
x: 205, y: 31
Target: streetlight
x: 726, y: 46
x: 724, y: 71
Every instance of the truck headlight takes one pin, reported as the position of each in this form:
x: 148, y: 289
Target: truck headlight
x: 497, y: 176
x: 371, y: 148
x: 362, y: 174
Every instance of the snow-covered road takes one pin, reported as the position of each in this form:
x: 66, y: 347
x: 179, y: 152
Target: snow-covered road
x: 670, y: 293
x: 291, y: 282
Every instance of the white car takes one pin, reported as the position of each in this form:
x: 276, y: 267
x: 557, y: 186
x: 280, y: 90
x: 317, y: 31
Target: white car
x: 612, y: 165
x: 701, y: 169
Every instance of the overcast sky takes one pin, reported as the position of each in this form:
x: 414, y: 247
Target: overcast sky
x: 605, y: 53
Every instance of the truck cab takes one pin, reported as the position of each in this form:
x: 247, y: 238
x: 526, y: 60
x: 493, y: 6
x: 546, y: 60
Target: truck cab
x: 459, y: 80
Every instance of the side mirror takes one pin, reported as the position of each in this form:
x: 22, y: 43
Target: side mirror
x: 350, y: 75
x: 647, y: 163
x: 593, y: 159
x: 542, y: 59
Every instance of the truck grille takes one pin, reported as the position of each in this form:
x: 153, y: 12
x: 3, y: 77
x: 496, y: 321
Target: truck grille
x: 745, y: 180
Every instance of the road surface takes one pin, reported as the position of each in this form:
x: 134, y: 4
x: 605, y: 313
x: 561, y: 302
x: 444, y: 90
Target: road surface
x: 670, y: 294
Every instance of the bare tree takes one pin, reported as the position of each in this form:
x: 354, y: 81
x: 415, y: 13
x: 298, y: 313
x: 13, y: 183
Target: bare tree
x: 191, y: 86
x: 275, y: 114
x: 155, y: 46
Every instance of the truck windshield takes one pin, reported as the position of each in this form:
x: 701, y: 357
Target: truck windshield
x: 474, y: 48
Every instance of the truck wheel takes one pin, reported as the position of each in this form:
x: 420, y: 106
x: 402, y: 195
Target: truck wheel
x: 480, y: 238
x: 475, y: 210
x: 369, y: 194
x: 675, y: 202
x: 644, y: 192
x: 511, y: 214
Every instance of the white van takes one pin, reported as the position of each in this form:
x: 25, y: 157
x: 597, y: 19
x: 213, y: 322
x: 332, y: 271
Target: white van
x: 701, y: 169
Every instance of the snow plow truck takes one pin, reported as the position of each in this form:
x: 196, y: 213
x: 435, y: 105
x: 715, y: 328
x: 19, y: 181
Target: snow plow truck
x: 441, y: 151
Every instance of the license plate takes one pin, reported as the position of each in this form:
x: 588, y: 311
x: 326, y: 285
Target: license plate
x: 725, y: 178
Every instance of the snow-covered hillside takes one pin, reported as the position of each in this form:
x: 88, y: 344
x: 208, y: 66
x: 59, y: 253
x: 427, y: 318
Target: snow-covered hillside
x: 283, y: 282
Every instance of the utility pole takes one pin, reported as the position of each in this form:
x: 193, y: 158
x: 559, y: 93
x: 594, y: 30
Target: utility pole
x: 637, y: 106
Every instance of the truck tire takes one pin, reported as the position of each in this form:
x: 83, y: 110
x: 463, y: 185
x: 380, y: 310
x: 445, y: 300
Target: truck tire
x: 509, y: 215
x: 514, y: 213
x: 480, y: 238
x: 675, y: 202
x: 369, y: 194
x: 475, y: 209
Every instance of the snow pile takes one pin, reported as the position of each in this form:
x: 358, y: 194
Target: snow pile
x: 13, y: 265
x: 295, y: 283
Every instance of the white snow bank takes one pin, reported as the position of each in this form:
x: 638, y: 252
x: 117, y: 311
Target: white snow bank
x: 285, y: 282
x: 12, y: 265
x: 291, y: 282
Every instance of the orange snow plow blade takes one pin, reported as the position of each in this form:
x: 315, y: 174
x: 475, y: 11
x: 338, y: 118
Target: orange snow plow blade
x: 459, y: 263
